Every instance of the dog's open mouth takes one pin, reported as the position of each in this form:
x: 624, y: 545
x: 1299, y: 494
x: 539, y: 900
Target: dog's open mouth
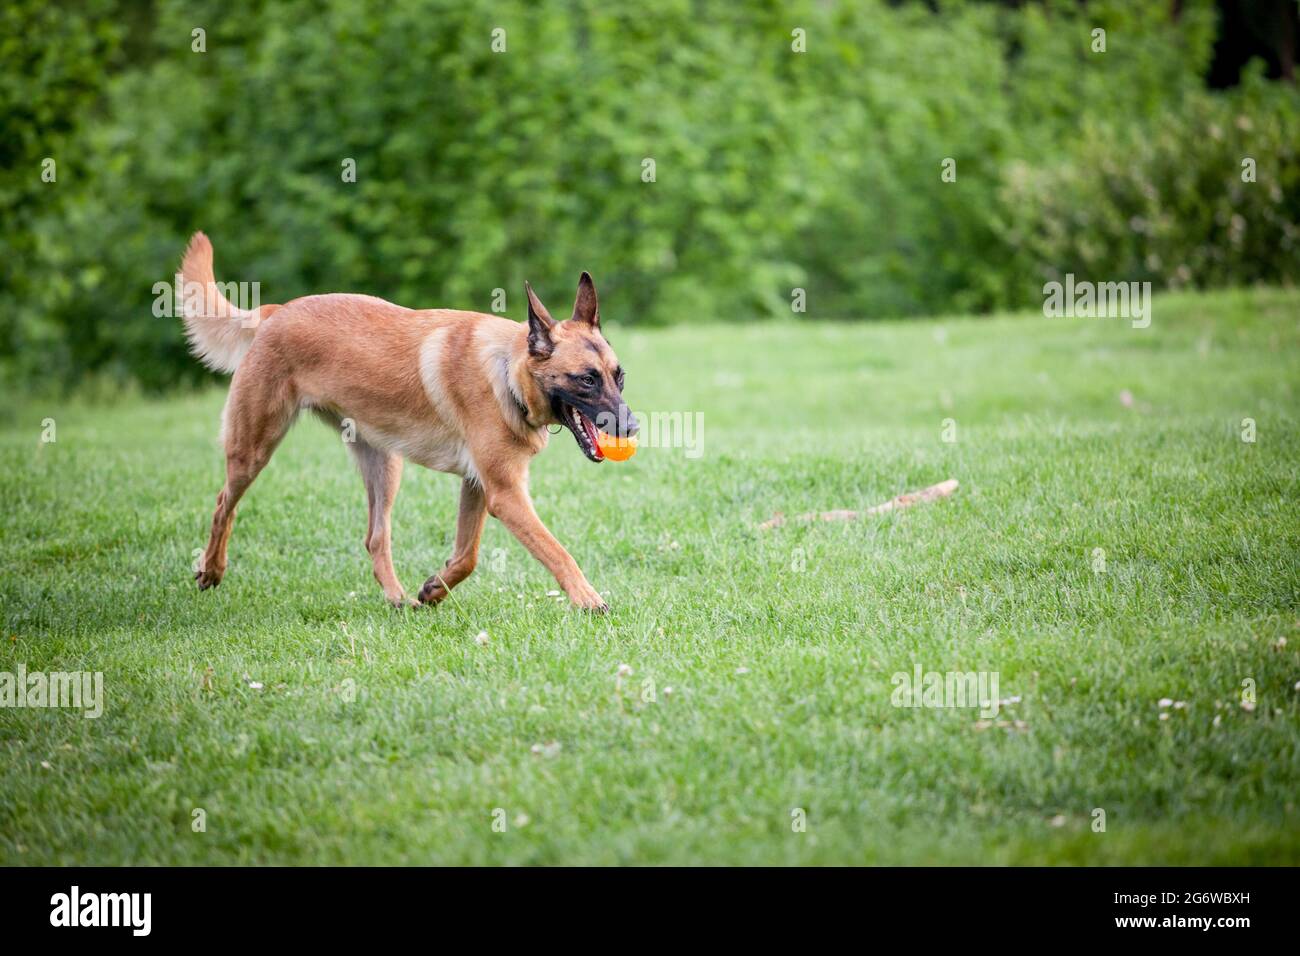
x: 583, y: 429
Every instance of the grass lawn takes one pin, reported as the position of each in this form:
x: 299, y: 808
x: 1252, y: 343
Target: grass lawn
x: 380, y: 736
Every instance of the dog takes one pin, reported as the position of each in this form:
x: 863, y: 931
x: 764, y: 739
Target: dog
x: 465, y: 393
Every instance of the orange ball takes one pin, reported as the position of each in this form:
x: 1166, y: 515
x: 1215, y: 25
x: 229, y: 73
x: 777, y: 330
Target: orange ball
x: 616, y: 449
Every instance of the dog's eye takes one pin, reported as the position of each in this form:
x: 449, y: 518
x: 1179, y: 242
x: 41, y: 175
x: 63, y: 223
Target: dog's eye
x: 590, y: 380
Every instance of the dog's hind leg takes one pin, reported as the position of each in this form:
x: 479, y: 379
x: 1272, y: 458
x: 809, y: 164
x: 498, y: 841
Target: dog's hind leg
x: 258, y: 412
x: 464, y: 556
x: 382, y: 473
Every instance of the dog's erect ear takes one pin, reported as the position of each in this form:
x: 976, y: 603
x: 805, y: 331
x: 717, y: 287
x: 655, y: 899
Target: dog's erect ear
x: 585, y: 307
x: 540, y: 325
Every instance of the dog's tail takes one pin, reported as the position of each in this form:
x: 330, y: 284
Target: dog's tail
x: 220, y: 332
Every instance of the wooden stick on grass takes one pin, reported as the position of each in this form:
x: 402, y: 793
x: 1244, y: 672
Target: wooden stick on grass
x: 942, y: 490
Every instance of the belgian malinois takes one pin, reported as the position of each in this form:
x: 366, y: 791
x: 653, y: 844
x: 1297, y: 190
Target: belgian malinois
x: 460, y: 392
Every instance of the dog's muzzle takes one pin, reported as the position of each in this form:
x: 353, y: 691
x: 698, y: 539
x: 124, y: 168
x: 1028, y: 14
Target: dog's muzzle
x: 585, y: 426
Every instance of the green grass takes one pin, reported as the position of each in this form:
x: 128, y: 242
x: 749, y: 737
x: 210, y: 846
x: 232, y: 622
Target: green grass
x: 780, y: 677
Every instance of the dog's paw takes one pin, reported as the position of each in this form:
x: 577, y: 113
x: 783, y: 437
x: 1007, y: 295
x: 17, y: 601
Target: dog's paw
x: 207, y: 579
x: 588, y: 600
x: 432, y: 593
x: 401, y: 603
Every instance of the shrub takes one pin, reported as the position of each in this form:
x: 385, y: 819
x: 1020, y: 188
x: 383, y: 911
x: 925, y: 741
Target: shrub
x: 1167, y: 201
x: 476, y: 169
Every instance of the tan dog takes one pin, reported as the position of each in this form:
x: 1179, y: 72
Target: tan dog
x: 460, y: 392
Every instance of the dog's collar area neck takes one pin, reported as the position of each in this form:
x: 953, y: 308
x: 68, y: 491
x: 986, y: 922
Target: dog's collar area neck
x: 512, y: 387
x: 525, y: 413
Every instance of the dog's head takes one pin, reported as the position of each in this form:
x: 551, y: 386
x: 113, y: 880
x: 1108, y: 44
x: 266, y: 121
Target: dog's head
x: 577, y: 371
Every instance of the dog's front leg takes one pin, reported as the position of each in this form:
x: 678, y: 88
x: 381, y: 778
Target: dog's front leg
x: 512, y: 506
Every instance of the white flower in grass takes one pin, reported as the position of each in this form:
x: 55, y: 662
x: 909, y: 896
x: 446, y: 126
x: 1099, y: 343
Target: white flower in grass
x: 742, y: 670
x: 481, y: 638
x: 1165, y: 702
x: 552, y: 593
x: 1247, y: 705
x: 624, y: 670
x: 1058, y: 820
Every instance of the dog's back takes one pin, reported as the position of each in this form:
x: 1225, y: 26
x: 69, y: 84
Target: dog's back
x: 348, y: 356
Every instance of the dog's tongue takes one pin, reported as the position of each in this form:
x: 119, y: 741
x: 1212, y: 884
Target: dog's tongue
x: 595, y: 438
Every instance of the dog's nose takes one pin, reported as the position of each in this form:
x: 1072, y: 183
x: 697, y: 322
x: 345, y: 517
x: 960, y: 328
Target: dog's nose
x: 630, y: 425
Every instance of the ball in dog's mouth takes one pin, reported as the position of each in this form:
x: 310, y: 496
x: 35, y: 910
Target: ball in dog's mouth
x: 616, y: 448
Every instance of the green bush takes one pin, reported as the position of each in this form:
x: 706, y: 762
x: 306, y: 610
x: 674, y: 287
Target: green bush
x: 1170, y: 201
x: 56, y: 64
x: 477, y: 169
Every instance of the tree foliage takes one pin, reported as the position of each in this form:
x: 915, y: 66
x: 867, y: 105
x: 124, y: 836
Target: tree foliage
x: 477, y: 166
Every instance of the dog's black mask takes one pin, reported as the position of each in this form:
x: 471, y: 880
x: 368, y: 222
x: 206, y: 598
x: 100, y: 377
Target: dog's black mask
x: 586, y: 410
